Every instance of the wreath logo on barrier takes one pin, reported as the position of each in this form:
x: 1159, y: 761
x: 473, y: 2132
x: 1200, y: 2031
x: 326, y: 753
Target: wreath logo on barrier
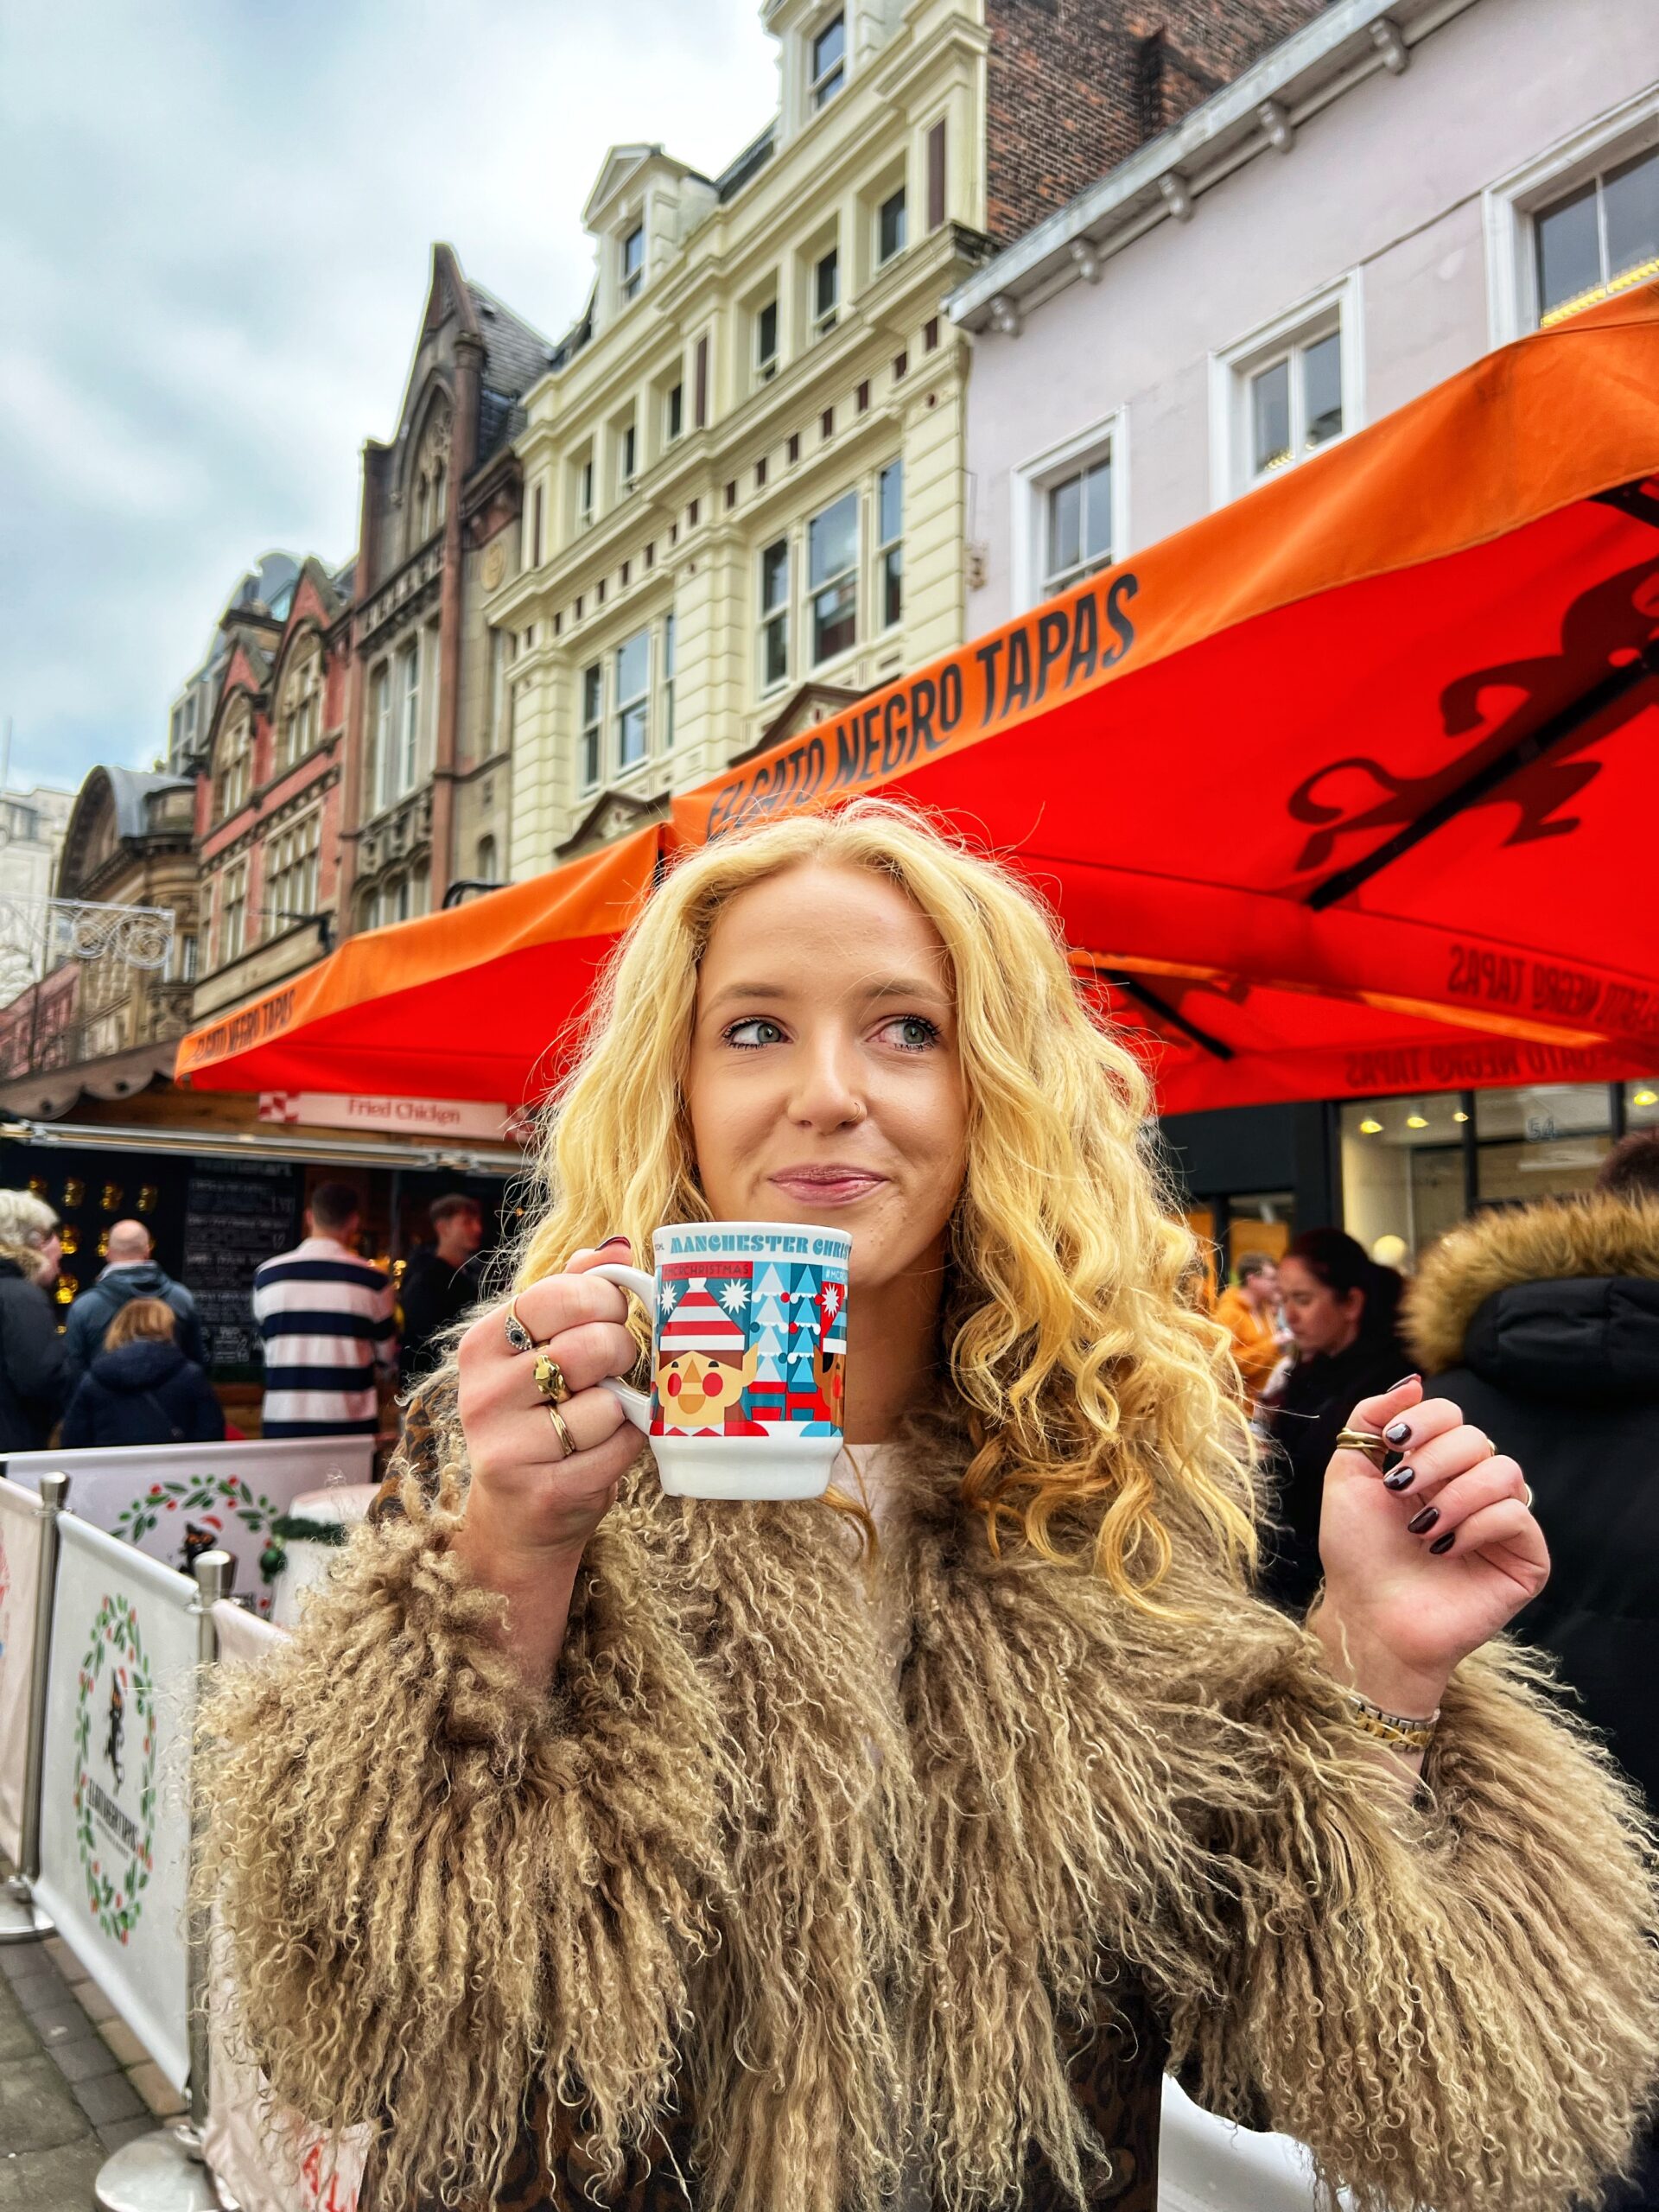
x: 115, y: 1695
x: 218, y: 1499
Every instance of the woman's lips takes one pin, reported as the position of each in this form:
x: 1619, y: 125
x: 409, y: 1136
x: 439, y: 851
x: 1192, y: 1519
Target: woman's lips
x: 842, y: 1189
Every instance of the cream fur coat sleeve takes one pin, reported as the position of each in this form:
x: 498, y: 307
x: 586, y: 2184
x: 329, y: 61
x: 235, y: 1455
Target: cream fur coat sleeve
x: 727, y: 1867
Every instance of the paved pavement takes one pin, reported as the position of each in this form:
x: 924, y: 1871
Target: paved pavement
x: 75, y: 2082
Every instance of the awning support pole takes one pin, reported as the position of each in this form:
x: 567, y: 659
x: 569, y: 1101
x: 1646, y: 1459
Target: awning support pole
x: 1205, y: 1043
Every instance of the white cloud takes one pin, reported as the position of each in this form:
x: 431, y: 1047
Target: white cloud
x: 215, y: 225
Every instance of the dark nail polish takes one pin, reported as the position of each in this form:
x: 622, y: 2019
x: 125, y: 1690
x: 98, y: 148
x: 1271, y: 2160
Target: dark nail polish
x: 1402, y: 1479
x: 1419, y: 1522
x: 1443, y: 1543
x: 609, y: 1241
x: 1397, y: 1432
x: 1401, y: 1383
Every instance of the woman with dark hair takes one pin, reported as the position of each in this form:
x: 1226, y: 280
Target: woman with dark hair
x: 1341, y: 1308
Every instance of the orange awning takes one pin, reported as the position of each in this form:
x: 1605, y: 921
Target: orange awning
x: 472, y: 1003
x: 1348, y: 788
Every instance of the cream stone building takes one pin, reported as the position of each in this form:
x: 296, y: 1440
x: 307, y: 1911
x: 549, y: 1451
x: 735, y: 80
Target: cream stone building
x: 743, y: 489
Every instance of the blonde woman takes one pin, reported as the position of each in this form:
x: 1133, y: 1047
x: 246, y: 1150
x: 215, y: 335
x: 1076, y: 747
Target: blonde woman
x: 32, y: 1373
x: 592, y: 1845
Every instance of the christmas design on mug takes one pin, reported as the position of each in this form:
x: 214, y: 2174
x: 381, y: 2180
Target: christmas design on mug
x: 749, y: 1347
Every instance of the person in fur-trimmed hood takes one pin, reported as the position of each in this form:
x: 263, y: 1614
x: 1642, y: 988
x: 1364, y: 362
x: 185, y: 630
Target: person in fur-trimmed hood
x: 1543, y: 1324
x: 592, y: 1845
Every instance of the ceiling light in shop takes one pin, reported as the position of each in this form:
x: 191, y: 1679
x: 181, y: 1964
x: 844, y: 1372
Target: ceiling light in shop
x: 1459, y: 1115
x: 1416, y: 1122
x: 1646, y: 1098
x: 1371, y: 1128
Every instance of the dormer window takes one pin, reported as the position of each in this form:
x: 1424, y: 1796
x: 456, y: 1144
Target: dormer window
x: 828, y: 72
x: 826, y: 292
x: 634, y: 262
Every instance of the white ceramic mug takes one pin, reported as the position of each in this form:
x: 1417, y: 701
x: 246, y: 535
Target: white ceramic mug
x: 749, y: 1357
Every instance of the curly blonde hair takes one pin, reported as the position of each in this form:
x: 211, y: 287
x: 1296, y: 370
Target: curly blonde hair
x: 1087, y: 1377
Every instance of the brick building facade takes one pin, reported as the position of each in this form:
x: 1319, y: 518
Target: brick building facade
x: 268, y: 805
x: 1075, y: 85
x: 425, y: 761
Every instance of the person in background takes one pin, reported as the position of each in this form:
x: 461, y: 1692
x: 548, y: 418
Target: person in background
x: 1249, y: 1308
x: 441, y: 1283
x: 1542, y: 1321
x: 130, y: 1272
x: 32, y: 1386
x: 141, y: 1389
x: 327, y: 1321
x: 1342, y: 1310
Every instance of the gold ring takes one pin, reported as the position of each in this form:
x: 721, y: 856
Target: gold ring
x: 518, y: 1337
x: 550, y: 1379
x: 1376, y: 1448
x: 562, y: 1433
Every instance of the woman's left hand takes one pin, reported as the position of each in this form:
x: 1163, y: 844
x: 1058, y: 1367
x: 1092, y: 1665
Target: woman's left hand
x: 1422, y: 1564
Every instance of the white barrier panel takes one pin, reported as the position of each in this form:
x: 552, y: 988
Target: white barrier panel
x: 115, y: 1822
x: 267, y: 2160
x: 174, y: 1500
x: 1205, y: 2165
x: 20, y: 1559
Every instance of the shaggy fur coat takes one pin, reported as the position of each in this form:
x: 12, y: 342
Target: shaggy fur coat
x: 734, y: 1917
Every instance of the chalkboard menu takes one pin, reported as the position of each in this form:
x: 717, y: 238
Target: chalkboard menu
x: 237, y: 1213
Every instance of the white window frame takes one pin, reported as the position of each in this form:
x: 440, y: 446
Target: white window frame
x: 630, y: 283
x: 766, y: 365
x: 822, y: 321
x: 668, y: 647
x: 1339, y: 305
x: 783, y: 613
x: 1033, y: 479
x: 235, y: 877
x: 882, y: 549
x: 1508, y: 206
x: 293, y: 857
x: 818, y: 99
x: 619, y: 706
x: 810, y: 591
x: 590, y: 726
x: 901, y: 192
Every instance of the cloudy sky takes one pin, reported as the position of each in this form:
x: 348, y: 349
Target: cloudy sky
x: 215, y: 222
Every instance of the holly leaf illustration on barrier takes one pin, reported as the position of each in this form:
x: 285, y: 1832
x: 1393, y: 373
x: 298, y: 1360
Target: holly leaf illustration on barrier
x: 213, y: 1494
x: 114, y: 1656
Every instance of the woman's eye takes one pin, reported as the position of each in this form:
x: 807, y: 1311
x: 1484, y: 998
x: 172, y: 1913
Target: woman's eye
x: 749, y: 1034
x: 911, y: 1032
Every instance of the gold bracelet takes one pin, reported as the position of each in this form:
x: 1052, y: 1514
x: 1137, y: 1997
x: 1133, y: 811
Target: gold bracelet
x: 1397, y: 1729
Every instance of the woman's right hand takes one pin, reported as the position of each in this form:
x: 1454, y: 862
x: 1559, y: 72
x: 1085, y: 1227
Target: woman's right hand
x: 530, y: 1502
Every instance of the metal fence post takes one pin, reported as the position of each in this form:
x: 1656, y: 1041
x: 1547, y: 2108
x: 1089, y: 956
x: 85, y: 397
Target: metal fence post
x: 21, y: 1918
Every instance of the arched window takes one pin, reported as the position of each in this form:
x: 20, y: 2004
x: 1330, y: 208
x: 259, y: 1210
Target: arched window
x: 431, y: 477
x: 233, y: 776
x: 300, y: 724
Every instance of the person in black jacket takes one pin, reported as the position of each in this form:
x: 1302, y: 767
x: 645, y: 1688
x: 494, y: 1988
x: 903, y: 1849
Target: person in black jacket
x: 32, y: 1386
x: 1542, y: 1323
x: 141, y: 1389
x: 440, y: 1284
x: 1342, y: 1311
x: 131, y: 1273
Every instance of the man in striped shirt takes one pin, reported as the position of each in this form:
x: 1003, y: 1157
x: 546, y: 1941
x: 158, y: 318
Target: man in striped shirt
x: 329, y: 1322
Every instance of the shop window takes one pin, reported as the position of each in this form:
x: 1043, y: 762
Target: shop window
x: 1403, y: 1172
x: 832, y: 577
x: 1642, y: 1104
x: 1541, y: 1142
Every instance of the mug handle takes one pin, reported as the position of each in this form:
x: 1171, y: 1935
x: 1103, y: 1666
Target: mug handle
x: 636, y: 1404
